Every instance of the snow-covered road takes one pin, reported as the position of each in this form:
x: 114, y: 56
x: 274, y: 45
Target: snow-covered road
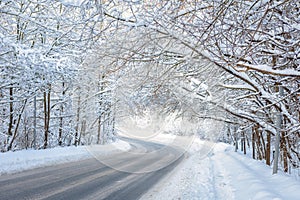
x: 107, y: 174
x: 211, y: 170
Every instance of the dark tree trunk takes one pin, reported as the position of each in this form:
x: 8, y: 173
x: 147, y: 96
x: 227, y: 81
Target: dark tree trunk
x: 46, y: 115
x: 268, y: 149
x: 60, y: 130
x: 253, y: 143
x: 76, y: 142
x: 284, y: 151
x: 11, y: 112
x: 17, y: 126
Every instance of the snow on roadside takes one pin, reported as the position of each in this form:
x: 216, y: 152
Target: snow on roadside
x: 108, y: 149
x: 192, y: 180
x: 252, y: 179
x: 11, y: 162
x: 121, y: 145
x: 215, y: 171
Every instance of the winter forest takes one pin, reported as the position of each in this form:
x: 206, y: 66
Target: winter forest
x: 72, y: 71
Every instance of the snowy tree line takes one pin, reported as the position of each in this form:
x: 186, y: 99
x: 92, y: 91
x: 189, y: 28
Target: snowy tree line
x: 230, y: 61
x: 67, y: 71
x: 45, y: 99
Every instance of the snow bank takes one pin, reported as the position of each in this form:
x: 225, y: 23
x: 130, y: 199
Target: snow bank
x: 104, y: 150
x: 11, y: 162
x: 252, y: 179
x: 27, y: 159
x: 215, y: 171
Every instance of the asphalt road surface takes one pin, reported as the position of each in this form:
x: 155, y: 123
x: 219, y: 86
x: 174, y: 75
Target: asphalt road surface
x: 123, y: 175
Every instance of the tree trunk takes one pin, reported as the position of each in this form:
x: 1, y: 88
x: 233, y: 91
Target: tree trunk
x: 46, y: 115
x: 244, y: 143
x: 263, y: 147
x: 258, y: 147
x: 99, y: 131
x: 17, y: 127
x: 82, y: 130
x: 11, y: 112
x: 284, y: 151
x: 236, y: 140
x: 253, y: 143
x: 34, y: 122
x: 60, y: 130
x: 77, y: 121
x: 268, y: 149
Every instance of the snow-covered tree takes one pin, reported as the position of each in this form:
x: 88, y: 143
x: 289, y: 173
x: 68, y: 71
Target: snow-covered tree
x: 43, y: 43
x: 254, y: 46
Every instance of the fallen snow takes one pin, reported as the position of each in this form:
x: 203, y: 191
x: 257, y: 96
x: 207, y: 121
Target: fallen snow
x: 27, y: 159
x: 212, y: 170
x: 215, y: 171
x: 11, y: 162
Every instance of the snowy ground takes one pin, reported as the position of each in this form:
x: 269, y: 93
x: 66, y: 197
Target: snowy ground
x: 215, y: 171
x: 11, y: 162
x: 212, y: 171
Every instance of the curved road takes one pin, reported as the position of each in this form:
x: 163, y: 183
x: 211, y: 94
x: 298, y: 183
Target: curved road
x: 123, y: 175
